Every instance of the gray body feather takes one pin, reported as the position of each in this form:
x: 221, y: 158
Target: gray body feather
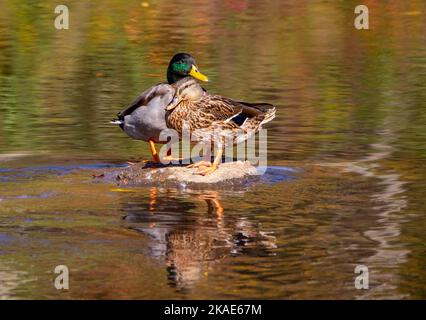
x: 144, y: 119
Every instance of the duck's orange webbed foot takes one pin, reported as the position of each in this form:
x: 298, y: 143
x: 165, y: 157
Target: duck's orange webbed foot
x: 199, y: 164
x: 155, y: 158
x: 206, y: 168
x: 204, y: 171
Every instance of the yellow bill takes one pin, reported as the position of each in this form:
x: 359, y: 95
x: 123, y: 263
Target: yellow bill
x: 197, y: 74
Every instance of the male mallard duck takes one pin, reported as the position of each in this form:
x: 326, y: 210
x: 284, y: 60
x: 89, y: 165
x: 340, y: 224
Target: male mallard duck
x: 214, y: 119
x: 145, y: 117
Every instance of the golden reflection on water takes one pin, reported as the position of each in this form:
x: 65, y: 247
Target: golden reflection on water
x: 350, y: 117
x: 192, y: 247
x: 387, y: 203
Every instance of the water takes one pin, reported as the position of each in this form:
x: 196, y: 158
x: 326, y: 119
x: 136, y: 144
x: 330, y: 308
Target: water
x: 346, y: 152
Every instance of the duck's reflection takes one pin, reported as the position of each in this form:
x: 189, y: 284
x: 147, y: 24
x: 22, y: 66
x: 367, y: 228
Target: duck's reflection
x: 190, y: 232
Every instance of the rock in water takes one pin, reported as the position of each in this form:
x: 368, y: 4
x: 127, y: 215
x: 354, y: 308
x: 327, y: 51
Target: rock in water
x: 232, y: 174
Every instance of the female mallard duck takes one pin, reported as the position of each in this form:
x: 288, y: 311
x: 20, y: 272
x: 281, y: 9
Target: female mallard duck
x: 144, y: 119
x: 214, y: 119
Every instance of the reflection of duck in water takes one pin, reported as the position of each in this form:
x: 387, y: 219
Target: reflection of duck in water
x: 189, y: 241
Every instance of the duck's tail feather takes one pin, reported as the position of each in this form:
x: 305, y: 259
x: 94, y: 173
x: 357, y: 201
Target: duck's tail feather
x: 119, y: 120
x: 269, y: 115
x: 254, y: 115
x: 116, y: 121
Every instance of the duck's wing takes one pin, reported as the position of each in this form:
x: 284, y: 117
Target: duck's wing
x: 224, y: 108
x: 218, y: 108
x: 259, y: 112
x: 235, y: 121
x: 159, y: 90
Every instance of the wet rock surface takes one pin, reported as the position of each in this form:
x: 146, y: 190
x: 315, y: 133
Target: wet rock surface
x: 229, y: 175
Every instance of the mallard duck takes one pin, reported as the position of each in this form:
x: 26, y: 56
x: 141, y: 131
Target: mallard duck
x: 144, y: 119
x: 214, y: 119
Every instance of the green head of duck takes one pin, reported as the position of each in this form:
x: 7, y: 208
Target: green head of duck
x: 181, y: 66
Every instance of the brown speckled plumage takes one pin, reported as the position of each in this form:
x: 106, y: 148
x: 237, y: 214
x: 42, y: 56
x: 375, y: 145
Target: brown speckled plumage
x: 213, y: 118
